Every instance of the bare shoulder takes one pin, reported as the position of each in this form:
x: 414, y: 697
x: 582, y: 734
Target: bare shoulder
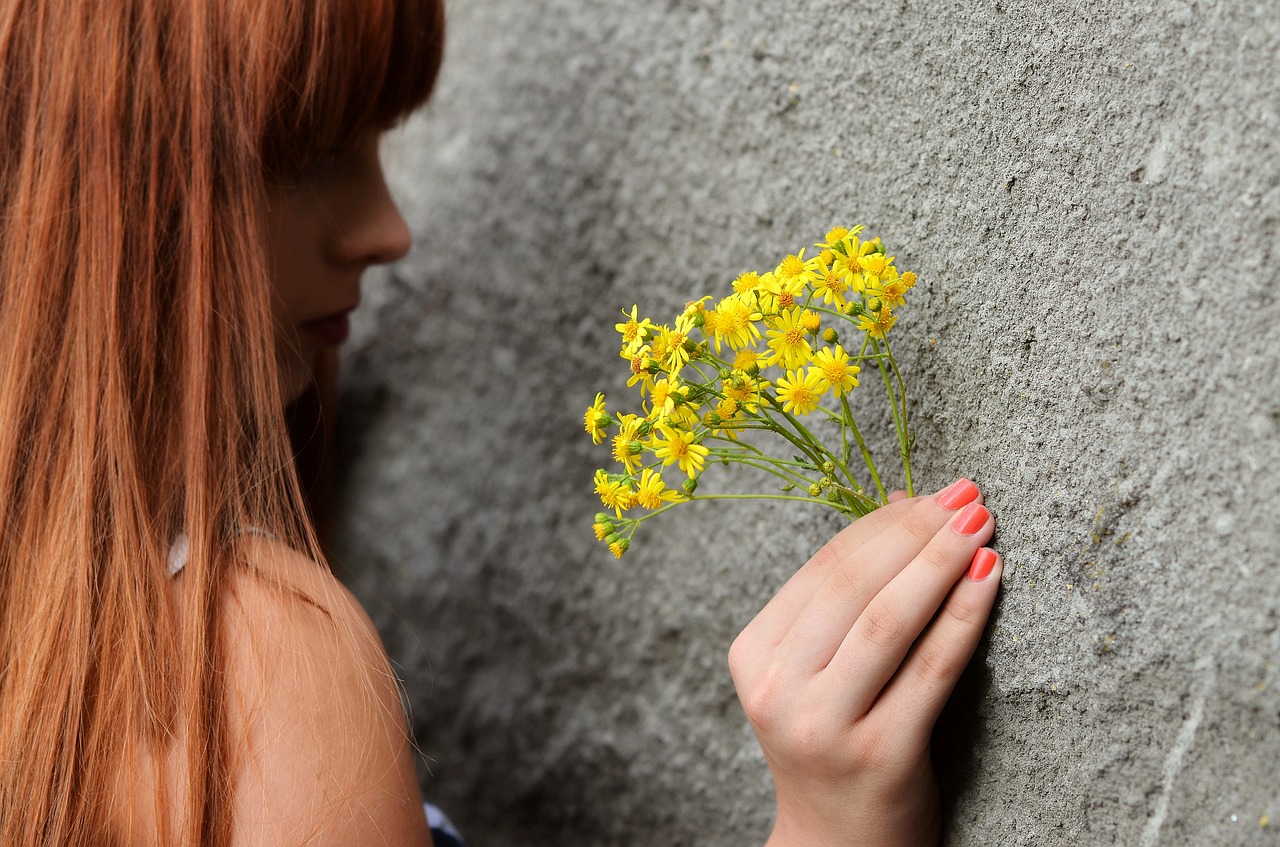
x: 321, y: 750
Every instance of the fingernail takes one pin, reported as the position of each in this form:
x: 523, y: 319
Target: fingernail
x: 983, y: 561
x: 971, y: 519
x: 962, y: 492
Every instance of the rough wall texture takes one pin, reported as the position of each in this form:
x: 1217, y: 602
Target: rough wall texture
x: 1090, y: 192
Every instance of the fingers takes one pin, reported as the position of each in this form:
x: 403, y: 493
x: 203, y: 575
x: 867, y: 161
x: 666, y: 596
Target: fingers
x: 779, y: 615
x: 895, y: 496
x: 873, y: 649
x: 941, y: 654
x: 860, y: 575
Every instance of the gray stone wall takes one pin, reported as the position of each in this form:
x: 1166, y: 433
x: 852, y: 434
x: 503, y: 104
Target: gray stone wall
x: 1090, y: 193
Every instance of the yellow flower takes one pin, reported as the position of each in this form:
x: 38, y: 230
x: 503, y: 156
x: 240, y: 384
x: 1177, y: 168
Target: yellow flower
x: 597, y: 420
x: 617, y: 548
x: 627, y: 449
x: 787, y: 341
x: 685, y: 416
x: 830, y: 285
x: 799, y: 392
x: 676, y: 343
x: 834, y: 237
x: 735, y: 322
x: 892, y: 289
x: 877, y: 265
x: 710, y: 317
x: 847, y: 264
x: 696, y: 307
x: 811, y: 321
x: 663, y: 397
x: 680, y: 448
x: 744, y: 390
x: 634, y: 331
x: 652, y: 492
x: 909, y: 279
x: 614, y: 493
x: 748, y: 281
x: 602, y: 529
x: 640, y: 363
x: 795, y: 267
x: 729, y: 412
x: 779, y: 292
x: 728, y: 409
x: 877, y: 323
x: 746, y: 359
x: 834, y: 371
x: 658, y: 349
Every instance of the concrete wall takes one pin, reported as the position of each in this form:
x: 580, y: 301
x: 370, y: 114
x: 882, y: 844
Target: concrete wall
x: 1090, y: 193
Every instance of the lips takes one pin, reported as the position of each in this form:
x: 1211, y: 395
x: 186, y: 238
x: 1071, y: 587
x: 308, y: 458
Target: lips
x: 333, y: 330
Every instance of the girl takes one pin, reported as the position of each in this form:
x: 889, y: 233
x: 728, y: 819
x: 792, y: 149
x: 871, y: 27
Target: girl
x: 189, y: 192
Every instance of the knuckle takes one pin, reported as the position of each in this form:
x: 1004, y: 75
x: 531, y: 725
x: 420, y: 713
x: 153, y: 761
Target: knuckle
x: 763, y: 701
x: 922, y: 522
x: 876, y: 751
x: 807, y: 738
x: 739, y: 652
x: 846, y: 583
x: 940, y: 560
x: 937, y: 666
x: 826, y: 558
x: 968, y: 614
x: 881, y: 624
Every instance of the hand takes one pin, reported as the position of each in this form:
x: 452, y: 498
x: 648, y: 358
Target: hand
x: 844, y: 672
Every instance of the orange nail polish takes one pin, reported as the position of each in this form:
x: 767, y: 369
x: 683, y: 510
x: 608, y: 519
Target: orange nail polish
x: 971, y: 519
x: 962, y: 492
x: 983, y: 561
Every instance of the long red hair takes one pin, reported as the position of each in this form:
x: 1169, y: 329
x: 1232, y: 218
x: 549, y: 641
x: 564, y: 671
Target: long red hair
x: 139, y: 392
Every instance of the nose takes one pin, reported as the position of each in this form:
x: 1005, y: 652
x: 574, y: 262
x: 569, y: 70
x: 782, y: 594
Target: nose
x: 375, y: 232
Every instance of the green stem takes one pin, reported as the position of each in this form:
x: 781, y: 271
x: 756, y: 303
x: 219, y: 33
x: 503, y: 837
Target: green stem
x: 906, y: 423
x: 862, y: 446
x: 767, y: 466
x: 897, y: 417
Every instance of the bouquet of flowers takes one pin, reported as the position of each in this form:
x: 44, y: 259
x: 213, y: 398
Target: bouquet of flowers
x: 773, y: 358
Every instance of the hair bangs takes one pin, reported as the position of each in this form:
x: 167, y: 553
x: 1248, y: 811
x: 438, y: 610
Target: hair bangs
x: 353, y: 67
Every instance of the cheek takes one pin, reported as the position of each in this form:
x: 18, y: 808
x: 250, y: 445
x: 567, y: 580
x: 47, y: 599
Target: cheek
x: 295, y: 248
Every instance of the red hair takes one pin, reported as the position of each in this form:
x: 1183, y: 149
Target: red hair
x: 139, y: 390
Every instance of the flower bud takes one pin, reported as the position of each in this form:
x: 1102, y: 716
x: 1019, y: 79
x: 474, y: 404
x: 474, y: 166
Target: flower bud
x: 711, y: 419
x: 604, y: 518
x: 830, y: 336
x: 854, y: 309
x: 828, y: 467
x: 753, y: 371
x: 612, y: 538
x: 699, y: 319
x: 825, y: 482
x: 619, y: 547
x: 644, y: 428
x: 689, y: 486
x: 815, y: 489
